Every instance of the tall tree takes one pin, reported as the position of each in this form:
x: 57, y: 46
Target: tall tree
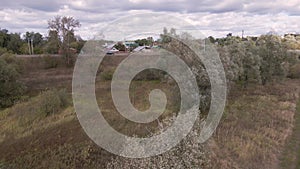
x: 15, y: 42
x: 4, y: 38
x: 35, y: 41
x: 64, y: 26
x: 273, y: 54
x: 53, y: 42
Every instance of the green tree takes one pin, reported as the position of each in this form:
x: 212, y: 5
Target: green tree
x: 10, y: 88
x: 4, y: 38
x: 64, y: 27
x: 15, y: 42
x: 251, y: 63
x: 120, y: 46
x: 35, y: 40
x: 53, y: 42
x: 165, y: 37
x: 144, y: 42
x: 273, y: 55
x: 211, y: 39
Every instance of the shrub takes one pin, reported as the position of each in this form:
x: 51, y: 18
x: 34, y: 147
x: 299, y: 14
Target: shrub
x: 50, y: 62
x: 52, y: 101
x: 12, y: 60
x: 2, y: 50
x: 295, y: 71
x: 108, y: 75
x: 11, y: 89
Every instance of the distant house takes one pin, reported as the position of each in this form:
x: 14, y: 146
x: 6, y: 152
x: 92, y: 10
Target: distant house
x: 142, y: 48
x: 129, y: 44
x: 139, y: 48
x: 292, y: 35
x: 110, y: 48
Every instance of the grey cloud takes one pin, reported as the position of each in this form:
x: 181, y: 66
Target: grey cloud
x: 47, y: 6
x: 191, y: 6
x: 212, y: 16
x: 273, y: 7
x: 188, y: 6
x: 182, y: 6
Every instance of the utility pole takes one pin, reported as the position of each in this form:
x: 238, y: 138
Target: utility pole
x: 29, y: 49
x: 32, y: 46
x: 242, y: 34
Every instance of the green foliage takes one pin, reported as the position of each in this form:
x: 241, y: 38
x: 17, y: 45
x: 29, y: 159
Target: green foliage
x: 12, y: 60
x: 272, y: 54
x: 63, y: 27
x: 15, y: 42
x: 165, y: 37
x: 248, y: 61
x: 52, y: 101
x: 2, y: 50
x: 120, y: 46
x: 11, y: 89
x: 144, y: 42
x: 50, y: 62
x: 107, y: 75
x: 69, y: 56
x: 37, y: 38
x: 4, y: 38
x: 53, y: 43
x: 211, y: 39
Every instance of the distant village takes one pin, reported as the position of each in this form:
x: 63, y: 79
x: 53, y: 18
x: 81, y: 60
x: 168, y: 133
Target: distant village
x: 131, y: 46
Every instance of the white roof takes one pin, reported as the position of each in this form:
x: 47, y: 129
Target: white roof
x: 139, y: 48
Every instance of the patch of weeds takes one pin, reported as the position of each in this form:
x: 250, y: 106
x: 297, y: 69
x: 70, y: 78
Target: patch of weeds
x: 291, y: 155
x: 298, y: 132
x: 50, y: 62
x: 52, y: 101
x: 21, y: 118
x: 107, y: 75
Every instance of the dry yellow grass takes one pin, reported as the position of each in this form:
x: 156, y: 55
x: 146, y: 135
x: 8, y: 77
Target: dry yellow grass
x: 255, y: 127
x: 23, y: 119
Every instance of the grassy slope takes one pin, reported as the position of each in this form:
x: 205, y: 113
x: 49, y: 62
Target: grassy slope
x: 298, y: 134
x: 255, y: 127
x: 291, y: 155
x: 252, y: 134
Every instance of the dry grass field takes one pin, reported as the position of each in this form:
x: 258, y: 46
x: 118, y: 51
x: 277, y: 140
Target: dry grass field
x: 259, y: 128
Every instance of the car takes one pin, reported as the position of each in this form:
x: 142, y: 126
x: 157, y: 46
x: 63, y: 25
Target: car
x: 112, y: 51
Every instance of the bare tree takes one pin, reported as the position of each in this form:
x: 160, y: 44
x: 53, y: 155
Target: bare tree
x: 64, y: 26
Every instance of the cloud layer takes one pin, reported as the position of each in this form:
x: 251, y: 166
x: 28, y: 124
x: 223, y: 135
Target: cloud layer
x: 212, y: 17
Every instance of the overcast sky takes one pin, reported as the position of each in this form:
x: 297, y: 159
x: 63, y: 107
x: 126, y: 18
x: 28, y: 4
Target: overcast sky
x: 212, y: 17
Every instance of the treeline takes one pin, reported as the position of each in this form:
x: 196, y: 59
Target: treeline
x: 245, y: 60
x: 36, y: 43
x: 255, y: 61
x: 251, y: 60
x: 61, y: 39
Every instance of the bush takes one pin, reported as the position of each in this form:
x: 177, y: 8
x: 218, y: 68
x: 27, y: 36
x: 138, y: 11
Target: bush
x: 50, y: 62
x: 2, y: 50
x: 12, y: 60
x: 52, y: 101
x: 108, y: 75
x: 294, y: 71
x: 11, y: 89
